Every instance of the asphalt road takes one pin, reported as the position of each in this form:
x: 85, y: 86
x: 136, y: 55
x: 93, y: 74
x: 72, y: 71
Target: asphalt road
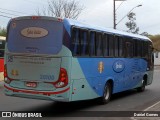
x: 125, y: 101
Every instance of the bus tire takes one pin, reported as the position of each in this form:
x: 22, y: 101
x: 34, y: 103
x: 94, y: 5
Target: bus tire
x: 106, y: 94
x: 142, y: 88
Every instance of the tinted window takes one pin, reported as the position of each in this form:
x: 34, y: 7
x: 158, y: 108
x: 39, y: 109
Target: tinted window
x: 111, y: 45
x: 116, y: 41
x: 135, y: 47
x: 121, y: 48
x: 92, y: 43
x: 80, y: 42
x: 129, y: 49
x: 106, y: 45
x: 39, y: 36
x: 76, y: 41
x: 99, y: 44
x: 118, y: 46
x: 84, y: 42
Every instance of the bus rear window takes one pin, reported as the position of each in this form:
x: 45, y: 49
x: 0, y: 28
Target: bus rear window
x: 39, y: 36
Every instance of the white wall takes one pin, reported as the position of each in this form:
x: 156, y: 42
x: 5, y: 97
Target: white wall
x: 1, y: 76
x: 157, y: 58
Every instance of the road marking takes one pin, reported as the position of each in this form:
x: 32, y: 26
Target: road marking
x: 151, y: 106
x: 133, y: 118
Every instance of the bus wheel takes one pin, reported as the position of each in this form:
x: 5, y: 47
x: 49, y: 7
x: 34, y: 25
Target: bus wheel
x: 142, y: 88
x: 106, y: 94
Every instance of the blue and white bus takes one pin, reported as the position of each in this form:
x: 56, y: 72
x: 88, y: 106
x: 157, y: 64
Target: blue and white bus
x: 66, y: 60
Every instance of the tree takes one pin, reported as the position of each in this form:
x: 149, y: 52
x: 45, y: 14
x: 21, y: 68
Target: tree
x: 3, y: 32
x: 156, y: 41
x: 62, y: 9
x: 145, y: 34
x: 131, y: 24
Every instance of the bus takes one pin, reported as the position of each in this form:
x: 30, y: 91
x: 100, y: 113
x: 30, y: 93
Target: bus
x: 2, y: 47
x: 66, y: 60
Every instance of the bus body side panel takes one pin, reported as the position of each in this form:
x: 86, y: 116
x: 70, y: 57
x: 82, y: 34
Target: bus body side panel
x: 81, y: 89
x: 150, y: 77
x: 126, y: 73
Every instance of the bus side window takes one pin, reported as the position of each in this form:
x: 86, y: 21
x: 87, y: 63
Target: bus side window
x: 129, y: 49
x: 84, y: 43
x: 76, y: 42
x: 116, y: 46
x: 139, y: 48
x: 135, y: 47
x: 111, y: 45
x: 143, y: 49
x: 121, y: 54
x: 92, y: 43
x: 99, y: 44
x: 106, y: 45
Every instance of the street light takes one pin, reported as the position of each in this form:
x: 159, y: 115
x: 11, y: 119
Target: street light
x: 127, y: 14
x: 114, y: 12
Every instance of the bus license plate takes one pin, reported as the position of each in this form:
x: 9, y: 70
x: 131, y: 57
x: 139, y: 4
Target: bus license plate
x: 31, y: 84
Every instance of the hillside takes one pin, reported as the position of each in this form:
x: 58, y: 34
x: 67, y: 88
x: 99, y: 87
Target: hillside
x: 156, y: 41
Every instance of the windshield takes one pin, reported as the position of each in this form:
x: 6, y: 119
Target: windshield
x: 38, y: 36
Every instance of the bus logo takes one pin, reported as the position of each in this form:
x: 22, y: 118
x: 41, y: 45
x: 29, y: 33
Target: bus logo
x: 34, y: 32
x: 100, y: 67
x: 118, y: 66
x: 10, y: 58
x: 14, y: 73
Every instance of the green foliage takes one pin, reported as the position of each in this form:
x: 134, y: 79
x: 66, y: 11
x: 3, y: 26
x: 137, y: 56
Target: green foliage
x: 145, y: 34
x: 131, y: 24
x: 156, y: 41
x: 3, y: 32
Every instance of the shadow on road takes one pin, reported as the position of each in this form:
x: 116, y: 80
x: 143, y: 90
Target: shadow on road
x: 124, y: 94
x: 58, y: 109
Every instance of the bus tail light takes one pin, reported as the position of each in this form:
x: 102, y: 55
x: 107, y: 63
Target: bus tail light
x: 6, y: 80
x: 5, y: 71
x: 35, y: 17
x: 63, y: 79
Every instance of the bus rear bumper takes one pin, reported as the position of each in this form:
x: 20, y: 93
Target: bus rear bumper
x: 9, y: 91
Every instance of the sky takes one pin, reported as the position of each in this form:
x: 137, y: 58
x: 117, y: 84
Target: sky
x: 96, y: 12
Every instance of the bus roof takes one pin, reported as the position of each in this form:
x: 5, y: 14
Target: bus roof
x: 108, y: 30
x: 2, y: 38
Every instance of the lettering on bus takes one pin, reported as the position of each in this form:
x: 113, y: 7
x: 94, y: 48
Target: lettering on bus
x: 34, y: 32
x: 118, y: 66
x: 47, y: 77
x: 32, y: 49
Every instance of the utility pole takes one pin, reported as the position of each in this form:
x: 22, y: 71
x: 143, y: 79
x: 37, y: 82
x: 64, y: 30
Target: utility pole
x: 114, y: 12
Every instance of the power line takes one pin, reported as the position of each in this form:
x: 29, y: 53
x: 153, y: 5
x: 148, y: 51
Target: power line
x: 13, y: 11
x: 9, y: 13
x: 31, y: 1
x: 5, y: 16
x: 119, y: 6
